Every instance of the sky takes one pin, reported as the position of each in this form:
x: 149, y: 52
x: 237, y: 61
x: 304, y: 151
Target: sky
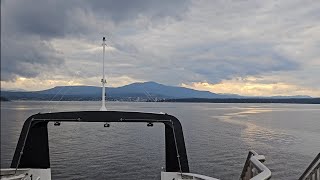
x: 246, y: 47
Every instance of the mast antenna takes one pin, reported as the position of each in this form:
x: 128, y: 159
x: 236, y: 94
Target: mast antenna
x: 103, y: 80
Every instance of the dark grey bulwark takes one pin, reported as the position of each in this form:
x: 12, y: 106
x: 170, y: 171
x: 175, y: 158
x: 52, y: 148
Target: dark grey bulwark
x: 34, y: 136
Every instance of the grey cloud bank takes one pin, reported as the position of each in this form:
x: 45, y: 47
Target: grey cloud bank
x: 171, y: 42
x: 29, y: 26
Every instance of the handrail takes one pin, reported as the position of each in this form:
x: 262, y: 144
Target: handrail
x: 197, y: 176
x: 246, y: 164
x: 254, y: 169
x: 265, y: 173
x: 13, y: 173
x: 313, y: 170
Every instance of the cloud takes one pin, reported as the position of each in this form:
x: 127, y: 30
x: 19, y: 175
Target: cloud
x: 171, y: 42
x: 122, y: 10
x: 30, y: 26
x: 251, y: 86
x: 20, y: 58
x: 51, y: 19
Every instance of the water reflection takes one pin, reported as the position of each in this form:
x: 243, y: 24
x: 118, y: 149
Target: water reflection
x: 217, y: 136
x: 257, y: 135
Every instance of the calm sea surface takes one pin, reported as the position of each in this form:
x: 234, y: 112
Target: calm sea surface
x: 217, y: 136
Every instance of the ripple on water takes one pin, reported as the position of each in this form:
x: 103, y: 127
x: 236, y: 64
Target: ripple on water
x: 217, y: 136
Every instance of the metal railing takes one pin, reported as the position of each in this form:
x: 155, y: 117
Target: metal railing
x: 186, y: 176
x: 313, y: 170
x: 13, y: 174
x: 254, y: 169
x: 196, y: 176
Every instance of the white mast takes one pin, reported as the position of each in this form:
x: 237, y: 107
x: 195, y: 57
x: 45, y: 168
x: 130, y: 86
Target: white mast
x: 103, y: 80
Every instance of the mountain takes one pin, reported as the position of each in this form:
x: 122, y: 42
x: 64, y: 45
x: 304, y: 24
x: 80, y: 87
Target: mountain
x: 145, y: 91
x: 142, y: 90
x: 157, y: 89
x: 13, y: 90
x: 135, y: 89
x: 73, y: 90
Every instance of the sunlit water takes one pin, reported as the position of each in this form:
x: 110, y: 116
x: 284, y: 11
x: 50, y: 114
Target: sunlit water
x: 217, y: 136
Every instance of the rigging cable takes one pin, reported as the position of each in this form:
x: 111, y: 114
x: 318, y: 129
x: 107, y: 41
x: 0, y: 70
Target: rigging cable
x: 175, y: 142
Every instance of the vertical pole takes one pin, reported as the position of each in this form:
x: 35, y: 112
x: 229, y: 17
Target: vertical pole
x: 103, y: 80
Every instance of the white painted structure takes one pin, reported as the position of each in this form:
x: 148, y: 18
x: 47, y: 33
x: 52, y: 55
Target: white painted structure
x: 25, y: 174
x: 254, y: 169
x: 178, y: 176
x: 45, y: 174
x: 103, y: 80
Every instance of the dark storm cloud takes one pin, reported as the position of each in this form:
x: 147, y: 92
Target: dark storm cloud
x: 29, y: 26
x: 20, y: 58
x: 122, y: 10
x: 57, y: 18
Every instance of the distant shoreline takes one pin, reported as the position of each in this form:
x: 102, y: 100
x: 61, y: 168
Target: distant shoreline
x: 4, y: 99
x: 195, y: 100
x: 249, y: 100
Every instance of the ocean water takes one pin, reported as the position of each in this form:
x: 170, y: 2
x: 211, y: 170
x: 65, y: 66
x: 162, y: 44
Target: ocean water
x: 217, y: 136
